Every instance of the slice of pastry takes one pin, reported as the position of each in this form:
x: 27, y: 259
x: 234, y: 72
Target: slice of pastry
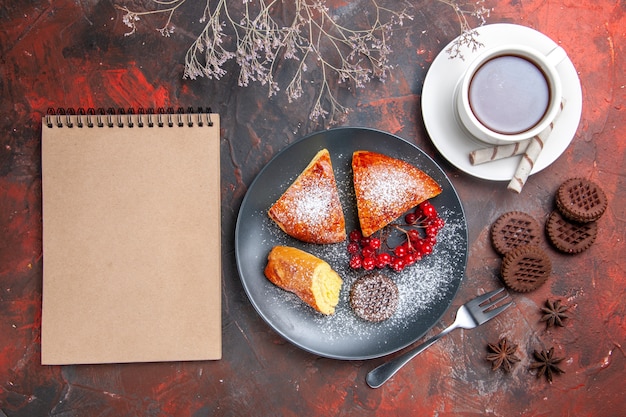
x: 309, y: 209
x: 307, y: 276
x: 386, y: 188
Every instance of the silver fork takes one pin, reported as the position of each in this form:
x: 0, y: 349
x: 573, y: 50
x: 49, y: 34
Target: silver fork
x: 471, y: 314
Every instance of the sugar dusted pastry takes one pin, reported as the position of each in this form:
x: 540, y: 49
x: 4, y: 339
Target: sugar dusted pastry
x: 307, y: 276
x: 310, y: 210
x: 386, y: 188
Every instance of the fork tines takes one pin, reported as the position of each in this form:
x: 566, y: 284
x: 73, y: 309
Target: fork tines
x: 489, y: 302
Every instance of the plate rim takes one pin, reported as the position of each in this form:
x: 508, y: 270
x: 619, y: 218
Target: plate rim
x: 263, y: 314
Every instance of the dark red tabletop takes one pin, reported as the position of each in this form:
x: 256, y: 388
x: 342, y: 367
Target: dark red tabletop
x: 74, y: 54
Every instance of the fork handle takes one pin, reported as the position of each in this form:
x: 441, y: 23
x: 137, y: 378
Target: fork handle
x: 381, y: 374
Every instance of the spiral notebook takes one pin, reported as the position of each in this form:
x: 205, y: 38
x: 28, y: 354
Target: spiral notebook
x: 131, y: 236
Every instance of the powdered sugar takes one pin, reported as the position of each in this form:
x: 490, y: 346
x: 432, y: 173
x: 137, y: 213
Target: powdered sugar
x: 421, y: 286
x: 315, y: 204
x: 388, y: 187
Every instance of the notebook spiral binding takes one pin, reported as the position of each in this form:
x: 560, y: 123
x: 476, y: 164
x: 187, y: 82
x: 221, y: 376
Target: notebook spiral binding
x: 70, y: 117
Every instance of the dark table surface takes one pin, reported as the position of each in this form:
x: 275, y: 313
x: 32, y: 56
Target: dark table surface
x: 74, y: 53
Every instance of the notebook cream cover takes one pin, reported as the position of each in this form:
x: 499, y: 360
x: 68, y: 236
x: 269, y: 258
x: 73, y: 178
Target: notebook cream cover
x: 131, y: 242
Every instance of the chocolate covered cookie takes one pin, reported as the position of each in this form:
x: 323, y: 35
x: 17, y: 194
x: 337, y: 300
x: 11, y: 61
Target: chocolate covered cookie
x: 525, y: 268
x: 570, y: 237
x: 374, y: 297
x: 581, y: 200
x: 514, y: 229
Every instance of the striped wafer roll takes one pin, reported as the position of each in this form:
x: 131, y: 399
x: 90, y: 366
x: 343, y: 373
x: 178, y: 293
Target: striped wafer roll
x: 530, y: 156
x: 480, y: 156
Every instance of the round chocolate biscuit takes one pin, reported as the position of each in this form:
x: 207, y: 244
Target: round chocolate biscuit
x: 525, y: 268
x: 374, y: 297
x: 570, y: 237
x: 581, y: 200
x: 513, y: 229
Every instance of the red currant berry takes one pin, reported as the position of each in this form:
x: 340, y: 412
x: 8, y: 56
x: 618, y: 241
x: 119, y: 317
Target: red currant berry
x: 374, y: 243
x: 397, y: 264
x: 355, y: 236
x: 356, y: 262
x: 410, y: 218
x: 383, y: 259
x: 353, y: 248
x: 368, y: 251
x: 400, y: 250
x: 409, y: 258
x: 365, y: 241
x: 369, y: 263
x: 431, y: 230
x: 427, y: 248
x: 431, y: 239
x: 414, y: 236
x: 428, y: 209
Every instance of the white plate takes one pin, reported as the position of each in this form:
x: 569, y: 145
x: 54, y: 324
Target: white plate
x: 452, y: 141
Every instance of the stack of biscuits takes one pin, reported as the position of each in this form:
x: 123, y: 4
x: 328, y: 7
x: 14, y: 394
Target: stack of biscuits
x: 525, y: 265
x: 571, y: 228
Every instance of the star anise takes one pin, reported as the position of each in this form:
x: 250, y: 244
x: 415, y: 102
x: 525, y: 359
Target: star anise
x: 502, y: 355
x: 554, y: 313
x: 546, y: 364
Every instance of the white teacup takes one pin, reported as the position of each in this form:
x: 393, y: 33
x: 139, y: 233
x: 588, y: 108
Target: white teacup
x: 510, y: 93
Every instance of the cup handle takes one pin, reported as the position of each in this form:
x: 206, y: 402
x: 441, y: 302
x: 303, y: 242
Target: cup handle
x: 556, y: 55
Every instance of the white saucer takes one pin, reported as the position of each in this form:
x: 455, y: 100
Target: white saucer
x: 452, y: 141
